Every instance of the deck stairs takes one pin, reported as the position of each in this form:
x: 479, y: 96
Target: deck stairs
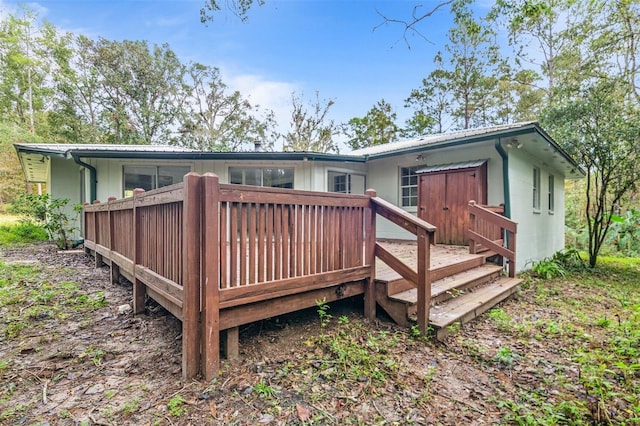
x: 463, y: 287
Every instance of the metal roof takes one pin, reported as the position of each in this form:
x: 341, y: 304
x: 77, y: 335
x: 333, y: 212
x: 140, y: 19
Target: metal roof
x: 452, y: 166
x: 408, y: 144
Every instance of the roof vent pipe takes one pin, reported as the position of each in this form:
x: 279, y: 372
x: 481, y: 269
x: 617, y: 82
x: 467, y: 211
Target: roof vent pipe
x: 257, y: 146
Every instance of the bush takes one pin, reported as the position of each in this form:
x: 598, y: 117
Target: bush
x: 48, y: 213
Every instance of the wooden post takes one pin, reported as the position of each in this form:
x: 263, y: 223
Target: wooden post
x: 232, y: 345
x: 84, y: 223
x: 370, y: 258
x: 210, y: 280
x: 512, y: 247
x: 191, y: 232
x: 425, y: 238
x: 472, y: 226
x: 115, y: 269
x: 139, y: 290
x: 96, y: 228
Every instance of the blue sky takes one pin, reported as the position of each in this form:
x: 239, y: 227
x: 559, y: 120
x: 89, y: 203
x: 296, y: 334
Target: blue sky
x: 304, y: 46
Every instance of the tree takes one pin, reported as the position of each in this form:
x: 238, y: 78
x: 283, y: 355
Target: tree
x: 77, y: 113
x: 26, y: 65
x: 311, y: 130
x: 464, y: 80
x: 143, y: 89
x: 375, y: 128
x: 598, y: 128
x: 431, y: 102
x: 218, y: 121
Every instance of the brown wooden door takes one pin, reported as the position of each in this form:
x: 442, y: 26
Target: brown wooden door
x: 443, y: 200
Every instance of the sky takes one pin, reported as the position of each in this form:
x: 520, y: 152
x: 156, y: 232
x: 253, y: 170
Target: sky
x: 306, y: 46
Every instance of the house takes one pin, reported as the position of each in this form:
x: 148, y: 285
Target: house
x: 518, y: 168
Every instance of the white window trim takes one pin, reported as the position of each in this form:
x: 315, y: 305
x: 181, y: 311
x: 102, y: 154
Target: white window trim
x: 412, y: 209
x: 536, y: 189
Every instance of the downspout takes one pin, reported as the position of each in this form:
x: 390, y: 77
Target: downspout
x: 505, y: 178
x: 93, y: 180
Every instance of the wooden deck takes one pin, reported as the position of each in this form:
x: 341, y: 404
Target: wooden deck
x: 218, y: 256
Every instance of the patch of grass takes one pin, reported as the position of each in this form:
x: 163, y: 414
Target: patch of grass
x: 590, y: 316
x: 31, y: 298
x: 21, y: 233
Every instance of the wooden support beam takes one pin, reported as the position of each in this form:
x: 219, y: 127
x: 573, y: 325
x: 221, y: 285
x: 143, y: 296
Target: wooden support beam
x: 232, y: 346
x: 425, y: 239
x: 210, y: 279
x: 191, y: 275
x: 139, y: 292
x: 370, y: 258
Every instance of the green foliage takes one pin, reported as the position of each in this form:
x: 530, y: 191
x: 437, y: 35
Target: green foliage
x: 558, y: 265
x: 176, y: 406
x: 21, y: 233
x: 311, y: 129
x: 50, y: 214
x: 264, y: 390
x: 375, y: 128
x: 323, y: 308
x: 354, y: 354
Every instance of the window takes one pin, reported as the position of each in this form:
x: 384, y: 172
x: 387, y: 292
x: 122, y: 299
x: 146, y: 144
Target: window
x: 340, y: 184
x: 551, y: 193
x: 408, y: 186
x: 346, y: 183
x: 536, y: 188
x: 151, y: 177
x: 258, y: 176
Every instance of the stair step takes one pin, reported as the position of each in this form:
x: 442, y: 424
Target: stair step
x: 465, y: 263
x: 446, y: 288
x: 468, y: 306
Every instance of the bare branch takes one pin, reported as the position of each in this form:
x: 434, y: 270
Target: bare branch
x: 410, y: 25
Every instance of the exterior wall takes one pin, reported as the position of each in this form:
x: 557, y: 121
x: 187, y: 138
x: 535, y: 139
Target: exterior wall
x: 384, y: 177
x: 540, y: 232
x: 65, y: 182
x: 308, y: 175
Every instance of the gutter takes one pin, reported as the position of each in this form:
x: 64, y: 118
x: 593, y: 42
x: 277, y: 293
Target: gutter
x: 93, y: 180
x: 505, y: 178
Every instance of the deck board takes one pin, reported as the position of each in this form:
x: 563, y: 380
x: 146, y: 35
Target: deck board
x: 441, y: 256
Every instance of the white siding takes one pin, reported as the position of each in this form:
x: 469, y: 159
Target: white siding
x: 540, y: 232
x: 64, y: 182
x: 384, y: 177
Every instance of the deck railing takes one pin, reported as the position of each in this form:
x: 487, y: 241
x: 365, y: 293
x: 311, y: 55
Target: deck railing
x: 425, y: 233
x: 489, y: 230
x: 219, y: 256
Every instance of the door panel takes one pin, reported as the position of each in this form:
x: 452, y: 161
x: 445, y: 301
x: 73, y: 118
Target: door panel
x: 444, y: 198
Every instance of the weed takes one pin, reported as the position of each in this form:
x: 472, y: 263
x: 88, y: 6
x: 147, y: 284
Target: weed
x: 500, y: 318
x: 264, y: 390
x: 176, y: 406
x: 454, y: 328
x: 506, y: 356
x: 325, y: 316
x: 131, y: 406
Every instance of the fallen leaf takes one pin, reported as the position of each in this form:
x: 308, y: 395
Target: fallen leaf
x: 212, y: 409
x: 303, y: 413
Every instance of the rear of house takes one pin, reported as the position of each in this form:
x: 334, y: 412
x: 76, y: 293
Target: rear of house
x: 518, y: 167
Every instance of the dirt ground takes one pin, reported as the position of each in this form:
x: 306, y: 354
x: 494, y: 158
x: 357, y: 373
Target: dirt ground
x: 109, y: 367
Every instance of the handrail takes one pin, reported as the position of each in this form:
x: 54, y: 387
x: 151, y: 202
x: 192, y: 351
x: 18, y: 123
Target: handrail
x: 400, y: 217
x: 425, y: 233
x: 505, y: 246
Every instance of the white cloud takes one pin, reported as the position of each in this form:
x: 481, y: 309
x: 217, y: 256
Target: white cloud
x: 272, y: 95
